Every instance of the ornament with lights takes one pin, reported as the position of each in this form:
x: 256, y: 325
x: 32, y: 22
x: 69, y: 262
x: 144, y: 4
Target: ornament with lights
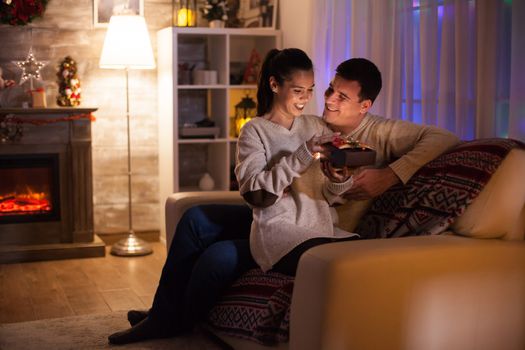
x: 30, y: 68
x: 68, y: 83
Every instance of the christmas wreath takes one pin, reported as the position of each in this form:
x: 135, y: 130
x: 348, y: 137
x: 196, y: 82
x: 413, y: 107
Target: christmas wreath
x: 21, y: 12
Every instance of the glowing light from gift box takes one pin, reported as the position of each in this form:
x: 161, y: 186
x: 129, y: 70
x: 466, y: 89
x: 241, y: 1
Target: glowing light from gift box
x: 185, y: 17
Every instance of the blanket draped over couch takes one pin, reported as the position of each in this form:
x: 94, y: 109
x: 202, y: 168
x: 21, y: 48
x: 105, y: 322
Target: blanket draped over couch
x: 257, y: 306
x: 438, y: 193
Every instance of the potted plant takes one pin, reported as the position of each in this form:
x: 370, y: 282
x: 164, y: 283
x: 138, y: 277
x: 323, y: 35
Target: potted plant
x: 216, y: 12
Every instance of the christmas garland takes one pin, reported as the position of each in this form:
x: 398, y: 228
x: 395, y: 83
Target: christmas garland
x: 21, y: 12
x: 11, y: 126
x: 10, y: 118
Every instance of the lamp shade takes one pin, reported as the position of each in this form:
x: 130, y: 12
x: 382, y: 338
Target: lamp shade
x: 127, y: 44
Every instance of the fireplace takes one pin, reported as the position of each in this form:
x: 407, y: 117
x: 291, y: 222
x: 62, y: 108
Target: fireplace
x: 29, y: 190
x: 46, y: 191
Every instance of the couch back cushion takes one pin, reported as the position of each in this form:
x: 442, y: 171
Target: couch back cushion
x: 499, y: 209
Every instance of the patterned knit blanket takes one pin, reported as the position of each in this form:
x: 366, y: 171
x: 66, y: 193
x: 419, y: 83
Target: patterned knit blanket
x: 257, y: 306
x: 438, y: 193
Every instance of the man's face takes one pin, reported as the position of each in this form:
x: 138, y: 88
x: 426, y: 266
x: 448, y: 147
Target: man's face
x: 343, y: 109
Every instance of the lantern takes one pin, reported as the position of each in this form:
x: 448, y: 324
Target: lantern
x: 244, y: 111
x: 184, y: 13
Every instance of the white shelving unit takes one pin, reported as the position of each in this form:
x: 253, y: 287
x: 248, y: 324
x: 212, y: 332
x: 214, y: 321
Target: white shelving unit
x: 183, y: 161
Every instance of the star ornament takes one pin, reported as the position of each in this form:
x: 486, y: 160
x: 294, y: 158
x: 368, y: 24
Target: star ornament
x: 30, y: 67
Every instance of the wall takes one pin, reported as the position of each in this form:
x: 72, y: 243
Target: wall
x: 66, y: 28
x: 296, y: 23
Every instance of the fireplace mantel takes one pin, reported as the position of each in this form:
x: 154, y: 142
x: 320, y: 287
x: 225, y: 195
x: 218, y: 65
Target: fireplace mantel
x: 55, y: 130
x: 57, y: 110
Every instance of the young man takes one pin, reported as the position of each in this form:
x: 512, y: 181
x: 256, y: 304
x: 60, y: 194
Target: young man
x: 402, y: 147
x: 210, y: 248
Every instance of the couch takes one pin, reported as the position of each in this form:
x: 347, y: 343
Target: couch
x: 463, y: 289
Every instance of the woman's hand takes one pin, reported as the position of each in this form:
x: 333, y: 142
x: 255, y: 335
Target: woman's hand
x: 315, y: 144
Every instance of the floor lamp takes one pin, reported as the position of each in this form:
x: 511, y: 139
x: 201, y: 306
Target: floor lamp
x: 127, y: 46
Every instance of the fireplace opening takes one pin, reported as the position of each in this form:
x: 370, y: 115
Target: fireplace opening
x: 29, y: 188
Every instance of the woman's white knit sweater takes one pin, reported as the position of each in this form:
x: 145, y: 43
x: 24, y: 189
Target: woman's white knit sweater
x: 275, y: 163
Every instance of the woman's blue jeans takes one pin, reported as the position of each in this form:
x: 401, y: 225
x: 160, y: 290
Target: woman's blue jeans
x: 209, y: 251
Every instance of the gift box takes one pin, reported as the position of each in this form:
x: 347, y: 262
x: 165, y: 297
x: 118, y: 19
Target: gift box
x: 352, y: 157
x: 39, y: 98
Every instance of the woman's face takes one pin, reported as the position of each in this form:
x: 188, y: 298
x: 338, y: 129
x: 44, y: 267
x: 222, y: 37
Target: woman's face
x: 291, y: 97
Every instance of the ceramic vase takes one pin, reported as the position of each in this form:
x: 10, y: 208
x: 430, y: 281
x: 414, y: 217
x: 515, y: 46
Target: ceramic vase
x: 216, y: 23
x: 206, y: 182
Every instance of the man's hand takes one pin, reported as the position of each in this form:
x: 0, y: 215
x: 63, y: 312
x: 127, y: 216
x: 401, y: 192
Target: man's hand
x: 370, y: 183
x: 335, y: 174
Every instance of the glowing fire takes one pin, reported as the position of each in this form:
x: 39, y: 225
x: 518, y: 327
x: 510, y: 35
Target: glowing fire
x: 28, y: 203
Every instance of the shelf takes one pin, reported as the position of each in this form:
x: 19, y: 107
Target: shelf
x: 201, y: 87
x: 57, y: 110
x: 182, y: 162
x: 240, y: 86
x: 205, y: 141
x: 223, y: 31
x: 217, y: 86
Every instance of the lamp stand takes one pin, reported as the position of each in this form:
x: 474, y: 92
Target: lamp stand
x: 131, y: 245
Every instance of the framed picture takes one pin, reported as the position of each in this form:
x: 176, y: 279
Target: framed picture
x: 257, y: 13
x: 104, y: 9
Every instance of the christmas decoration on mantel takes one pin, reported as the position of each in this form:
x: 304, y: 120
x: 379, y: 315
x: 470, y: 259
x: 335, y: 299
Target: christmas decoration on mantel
x: 21, y: 12
x: 11, y: 94
x: 68, y: 84
x: 30, y: 71
x: 30, y: 68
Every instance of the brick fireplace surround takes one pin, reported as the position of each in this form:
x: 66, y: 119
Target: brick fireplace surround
x: 52, y: 133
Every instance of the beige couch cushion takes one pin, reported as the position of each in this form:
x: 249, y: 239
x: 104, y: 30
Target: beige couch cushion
x: 499, y: 209
x: 427, y: 292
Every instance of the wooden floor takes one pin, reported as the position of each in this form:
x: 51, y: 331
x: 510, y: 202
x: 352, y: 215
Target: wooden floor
x: 48, y: 289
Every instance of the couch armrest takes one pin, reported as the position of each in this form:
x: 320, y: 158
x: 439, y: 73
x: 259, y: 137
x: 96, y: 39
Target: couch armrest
x: 178, y: 203
x: 431, y: 292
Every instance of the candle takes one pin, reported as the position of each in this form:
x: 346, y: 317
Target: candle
x: 185, y: 17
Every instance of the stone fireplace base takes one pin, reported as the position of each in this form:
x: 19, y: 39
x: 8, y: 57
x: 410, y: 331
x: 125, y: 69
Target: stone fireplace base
x: 64, y: 134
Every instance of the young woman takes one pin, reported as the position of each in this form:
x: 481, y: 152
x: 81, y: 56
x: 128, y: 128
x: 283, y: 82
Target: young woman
x: 275, y: 166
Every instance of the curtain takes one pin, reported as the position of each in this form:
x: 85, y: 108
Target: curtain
x: 456, y: 64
